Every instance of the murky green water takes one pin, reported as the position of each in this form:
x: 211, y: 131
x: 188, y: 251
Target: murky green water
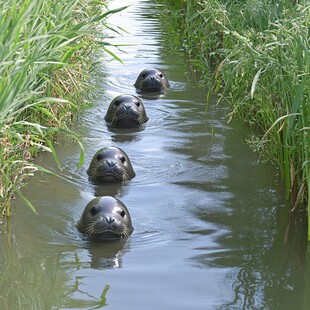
x: 211, y: 224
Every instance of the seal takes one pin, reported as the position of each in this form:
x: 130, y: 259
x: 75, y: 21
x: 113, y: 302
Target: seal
x: 126, y: 111
x: 110, y: 164
x: 105, y: 218
x: 151, y: 80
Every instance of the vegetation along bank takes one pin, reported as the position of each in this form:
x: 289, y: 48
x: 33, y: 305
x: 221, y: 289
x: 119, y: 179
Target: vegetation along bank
x: 256, y: 56
x: 45, y: 58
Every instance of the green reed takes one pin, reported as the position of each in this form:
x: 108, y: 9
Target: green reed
x: 256, y: 56
x: 45, y: 51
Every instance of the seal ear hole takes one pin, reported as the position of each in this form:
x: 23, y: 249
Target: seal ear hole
x: 122, y: 159
x: 94, y: 210
x: 122, y: 213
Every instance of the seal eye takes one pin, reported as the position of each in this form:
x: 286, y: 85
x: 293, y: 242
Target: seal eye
x: 117, y: 103
x: 99, y: 157
x: 94, y: 210
x: 122, y: 213
x: 143, y: 76
x: 161, y: 75
x: 137, y: 104
x: 122, y: 159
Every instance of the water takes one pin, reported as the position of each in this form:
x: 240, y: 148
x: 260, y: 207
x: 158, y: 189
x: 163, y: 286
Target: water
x: 212, y: 229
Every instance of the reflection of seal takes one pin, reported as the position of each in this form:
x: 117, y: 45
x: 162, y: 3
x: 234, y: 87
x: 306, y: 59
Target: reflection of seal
x: 151, y: 81
x: 105, y: 218
x: 110, y: 164
x: 114, y: 189
x: 108, y: 256
x: 126, y: 111
x: 125, y: 134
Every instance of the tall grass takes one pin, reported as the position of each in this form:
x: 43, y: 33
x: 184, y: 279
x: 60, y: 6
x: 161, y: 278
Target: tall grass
x: 45, y: 59
x: 258, y: 55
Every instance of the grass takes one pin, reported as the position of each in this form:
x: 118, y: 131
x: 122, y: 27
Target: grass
x: 256, y: 56
x: 45, y: 49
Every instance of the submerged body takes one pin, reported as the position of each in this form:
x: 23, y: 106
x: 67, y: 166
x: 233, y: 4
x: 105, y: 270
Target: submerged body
x: 105, y: 218
x: 110, y: 164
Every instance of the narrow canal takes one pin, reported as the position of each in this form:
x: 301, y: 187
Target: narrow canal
x: 211, y: 226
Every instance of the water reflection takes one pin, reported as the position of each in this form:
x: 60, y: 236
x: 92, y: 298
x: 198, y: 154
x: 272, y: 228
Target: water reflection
x: 115, y: 189
x: 251, y: 233
x: 120, y: 135
x: 88, y: 302
x: 151, y: 96
x: 105, y: 255
x: 15, y: 272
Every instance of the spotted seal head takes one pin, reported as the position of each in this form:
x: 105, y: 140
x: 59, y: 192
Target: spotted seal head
x: 110, y: 164
x: 126, y: 111
x: 151, y: 80
x: 105, y: 218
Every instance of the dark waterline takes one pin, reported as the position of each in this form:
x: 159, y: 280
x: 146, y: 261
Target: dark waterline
x: 211, y: 226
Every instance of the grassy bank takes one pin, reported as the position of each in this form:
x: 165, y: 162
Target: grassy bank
x: 256, y: 56
x: 45, y: 59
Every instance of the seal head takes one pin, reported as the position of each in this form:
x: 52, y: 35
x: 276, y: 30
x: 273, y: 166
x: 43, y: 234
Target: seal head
x: 105, y: 218
x: 151, y: 80
x: 126, y: 111
x: 110, y: 164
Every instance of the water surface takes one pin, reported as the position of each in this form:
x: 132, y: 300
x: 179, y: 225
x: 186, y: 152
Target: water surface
x: 211, y: 226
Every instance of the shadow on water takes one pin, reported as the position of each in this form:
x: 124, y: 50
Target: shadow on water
x: 212, y: 230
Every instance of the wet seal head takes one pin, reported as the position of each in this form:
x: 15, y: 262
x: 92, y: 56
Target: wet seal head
x: 126, y: 111
x: 110, y: 164
x: 105, y: 218
x: 151, y: 80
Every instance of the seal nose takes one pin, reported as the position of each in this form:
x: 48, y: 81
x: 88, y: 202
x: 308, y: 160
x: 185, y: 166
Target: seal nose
x: 109, y: 219
x: 110, y: 163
